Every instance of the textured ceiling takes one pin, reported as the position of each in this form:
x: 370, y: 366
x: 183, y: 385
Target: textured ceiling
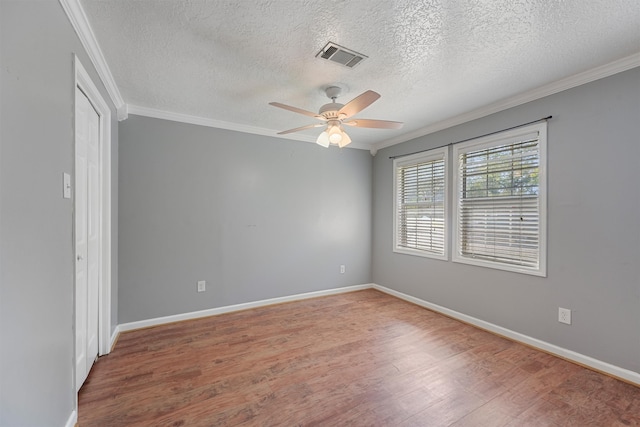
x: 430, y: 60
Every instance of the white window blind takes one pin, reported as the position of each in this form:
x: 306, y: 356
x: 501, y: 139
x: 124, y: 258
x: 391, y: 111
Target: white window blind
x: 420, y: 204
x: 500, y: 201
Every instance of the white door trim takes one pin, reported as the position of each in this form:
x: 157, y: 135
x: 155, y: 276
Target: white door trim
x: 84, y: 82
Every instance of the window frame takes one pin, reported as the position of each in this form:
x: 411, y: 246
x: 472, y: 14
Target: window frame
x: 483, y: 143
x: 436, y: 154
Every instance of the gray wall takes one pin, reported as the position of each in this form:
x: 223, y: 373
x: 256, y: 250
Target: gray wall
x: 593, y: 228
x: 256, y: 217
x: 261, y: 217
x: 36, y: 262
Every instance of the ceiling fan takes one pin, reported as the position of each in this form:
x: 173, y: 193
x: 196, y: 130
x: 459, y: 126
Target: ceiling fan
x: 334, y: 115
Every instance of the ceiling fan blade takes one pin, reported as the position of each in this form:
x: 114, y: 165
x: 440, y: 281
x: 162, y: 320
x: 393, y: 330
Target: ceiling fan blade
x: 379, y: 124
x: 315, y: 125
x: 359, y: 103
x: 297, y: 110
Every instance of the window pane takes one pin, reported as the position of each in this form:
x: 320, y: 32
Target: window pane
x: 420, y: 204
x: 498, y: 208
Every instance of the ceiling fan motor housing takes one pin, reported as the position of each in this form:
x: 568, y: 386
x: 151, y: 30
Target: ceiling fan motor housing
x: 330, y: 110
x: 332, y: 93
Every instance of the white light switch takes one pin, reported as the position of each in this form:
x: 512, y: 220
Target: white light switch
x: 66, y: 186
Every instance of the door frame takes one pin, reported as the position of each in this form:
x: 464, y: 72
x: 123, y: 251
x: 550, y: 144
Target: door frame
x: 85, y: 84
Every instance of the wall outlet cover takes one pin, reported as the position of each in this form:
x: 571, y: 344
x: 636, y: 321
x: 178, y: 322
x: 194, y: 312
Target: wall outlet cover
x: 202, y: 286
x: 564, y: 315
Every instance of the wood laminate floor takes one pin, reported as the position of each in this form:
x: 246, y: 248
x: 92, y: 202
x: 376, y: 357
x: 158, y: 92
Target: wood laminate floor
x: 361, y: 359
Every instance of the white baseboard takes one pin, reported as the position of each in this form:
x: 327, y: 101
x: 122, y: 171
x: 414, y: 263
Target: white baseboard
x: 114, y: 337
x: 73, y: 419
x: 598, y: 365
x: 237, y: 307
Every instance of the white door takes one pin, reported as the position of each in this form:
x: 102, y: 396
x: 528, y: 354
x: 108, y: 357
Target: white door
x: 87, y: 234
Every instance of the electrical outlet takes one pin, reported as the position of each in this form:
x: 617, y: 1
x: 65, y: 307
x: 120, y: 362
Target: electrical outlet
x: 202, y: 286
x: 342, y: 269
x: 564, y: 315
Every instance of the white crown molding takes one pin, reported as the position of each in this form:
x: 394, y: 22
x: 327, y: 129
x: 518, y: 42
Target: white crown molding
x: 123, y: 112
x: 203, y: 121
x: 624, y: 64
x: 81, y: 25
x: 219, y: 124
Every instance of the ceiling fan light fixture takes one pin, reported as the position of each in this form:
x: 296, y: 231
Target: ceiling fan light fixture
x: 335, y: 134
x: 345, y: 140
x: 323, y: 139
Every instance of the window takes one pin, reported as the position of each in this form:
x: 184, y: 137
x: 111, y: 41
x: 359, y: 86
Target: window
x: 420, y: 204
x: 500, y: 201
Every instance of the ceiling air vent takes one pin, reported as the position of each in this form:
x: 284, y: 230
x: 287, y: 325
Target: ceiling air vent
x: 341, y: 55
